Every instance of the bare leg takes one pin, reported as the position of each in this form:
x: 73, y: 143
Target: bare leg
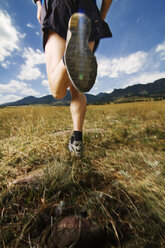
x: 57, y: 74
x: 78, y: 105
x: 59, y: 81
x: 78, y: 109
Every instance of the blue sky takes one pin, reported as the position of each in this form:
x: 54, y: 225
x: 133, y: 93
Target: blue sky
x: 135, y: 54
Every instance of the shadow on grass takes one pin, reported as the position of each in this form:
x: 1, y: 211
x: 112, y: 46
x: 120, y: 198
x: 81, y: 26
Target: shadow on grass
x: 31, y: 211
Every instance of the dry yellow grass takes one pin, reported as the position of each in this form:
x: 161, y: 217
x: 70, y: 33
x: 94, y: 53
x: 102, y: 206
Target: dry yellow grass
x: 119, y: 182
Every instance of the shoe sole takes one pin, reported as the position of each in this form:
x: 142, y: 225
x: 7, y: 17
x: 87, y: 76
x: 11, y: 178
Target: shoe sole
x: 80, y: 62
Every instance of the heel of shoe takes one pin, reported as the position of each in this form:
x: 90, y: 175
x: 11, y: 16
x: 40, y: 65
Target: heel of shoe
x: 74, y: 22
x: 80, y: 22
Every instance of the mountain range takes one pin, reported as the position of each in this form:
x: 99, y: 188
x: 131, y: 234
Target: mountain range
x: 150, y: 90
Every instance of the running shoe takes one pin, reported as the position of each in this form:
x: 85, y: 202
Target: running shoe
x: 76, y: 148
x: 80, y: 61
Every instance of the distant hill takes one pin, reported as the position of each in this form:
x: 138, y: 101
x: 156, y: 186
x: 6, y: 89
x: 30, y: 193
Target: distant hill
x: 152, y: 90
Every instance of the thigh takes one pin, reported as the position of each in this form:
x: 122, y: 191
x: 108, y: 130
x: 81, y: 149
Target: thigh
x: 54, y: 51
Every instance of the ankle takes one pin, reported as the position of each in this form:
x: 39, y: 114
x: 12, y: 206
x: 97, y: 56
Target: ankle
x: 76, y: 136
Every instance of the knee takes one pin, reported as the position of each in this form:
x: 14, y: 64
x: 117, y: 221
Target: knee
x: 57, y: 94
x: 78, y: 100
x: 76, y: 95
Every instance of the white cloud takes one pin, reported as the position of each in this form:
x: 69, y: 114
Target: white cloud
x: 33, y: 57
x: 12, y: 87
x: 30, y: 25
x: 161, y: 49
x: 139, y: 67
x: 9, y: 98
x: 144, y: 78
x: 109, y: 91
x: 29, y: 71
x: 45, y: 83
x: 5, y: 64
x: 9, y: 36
x: 127, y: 65
x: 17, y: 87
x: 22, y: 36
x: 29, y: 91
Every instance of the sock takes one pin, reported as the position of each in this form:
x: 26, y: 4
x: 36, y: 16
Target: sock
x: 77, y: 136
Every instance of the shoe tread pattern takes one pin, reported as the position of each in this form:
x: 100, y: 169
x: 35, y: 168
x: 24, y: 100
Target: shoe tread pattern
x: 80, y: 61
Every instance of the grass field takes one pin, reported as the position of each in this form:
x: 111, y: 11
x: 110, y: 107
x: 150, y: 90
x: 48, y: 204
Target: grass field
x: 119, y: 183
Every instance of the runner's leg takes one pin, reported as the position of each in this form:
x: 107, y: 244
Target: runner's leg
x: 78, y: 105
x: 56, y: 72
x: 59, y: 81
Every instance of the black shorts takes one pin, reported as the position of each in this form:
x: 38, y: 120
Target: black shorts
x: 56, y: 14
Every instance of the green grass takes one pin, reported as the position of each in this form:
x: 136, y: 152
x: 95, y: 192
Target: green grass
x: 119, y: 183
